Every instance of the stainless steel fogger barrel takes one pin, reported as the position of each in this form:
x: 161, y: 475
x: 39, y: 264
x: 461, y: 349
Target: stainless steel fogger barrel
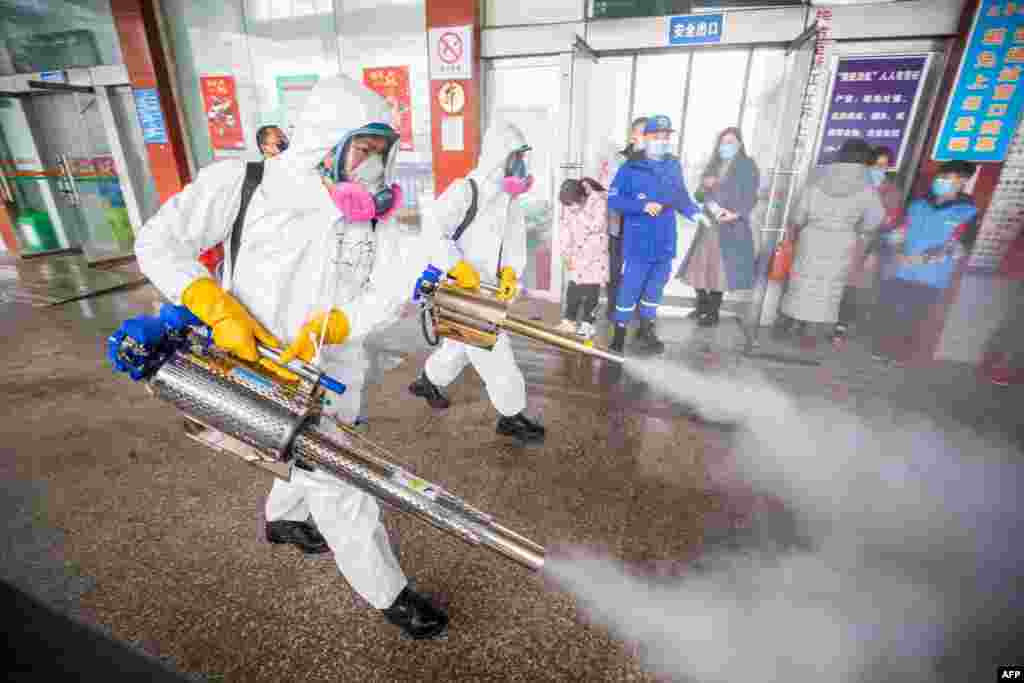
x: 241, y: 409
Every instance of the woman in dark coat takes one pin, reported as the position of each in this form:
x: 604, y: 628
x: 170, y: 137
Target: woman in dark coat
x: 721, y: 258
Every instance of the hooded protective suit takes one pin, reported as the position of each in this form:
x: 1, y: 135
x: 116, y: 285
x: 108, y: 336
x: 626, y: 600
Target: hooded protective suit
x: 495, y: 239
x: 299, y: 257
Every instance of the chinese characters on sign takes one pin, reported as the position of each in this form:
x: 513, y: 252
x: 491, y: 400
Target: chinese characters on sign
x: 223, y: 118
x: 695, y: 29
x: 451, y: 53
x: 984, y: 109
x: 151, y: 118
x: 873, y: 99
x: 392, y: 83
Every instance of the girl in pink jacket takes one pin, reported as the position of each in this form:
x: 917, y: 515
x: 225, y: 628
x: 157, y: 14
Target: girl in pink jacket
x: 584, y: 247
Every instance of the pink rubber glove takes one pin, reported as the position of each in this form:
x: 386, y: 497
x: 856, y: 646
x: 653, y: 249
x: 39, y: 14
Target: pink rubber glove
x: 396, y: 205
x: 355, y: 203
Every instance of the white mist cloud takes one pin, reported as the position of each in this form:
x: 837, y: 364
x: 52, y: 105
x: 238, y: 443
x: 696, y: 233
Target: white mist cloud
x: 916, y: 539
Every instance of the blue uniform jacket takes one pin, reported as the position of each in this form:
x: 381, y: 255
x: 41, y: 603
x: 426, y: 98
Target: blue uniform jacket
x: 647, y: 238
x: 930, y: 225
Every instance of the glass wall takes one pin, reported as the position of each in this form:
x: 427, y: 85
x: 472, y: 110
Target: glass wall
x: 702, y: 91
x: 44, y: 35
x: 527, y: 92
x: 268, y: 54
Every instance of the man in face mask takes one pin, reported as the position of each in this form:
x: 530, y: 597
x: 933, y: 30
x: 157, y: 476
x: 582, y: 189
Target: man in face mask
x: 647, y: 191
x: 492, y: 248
x: 271, y: 141
x: 320, y: 264
x: 940, y: 230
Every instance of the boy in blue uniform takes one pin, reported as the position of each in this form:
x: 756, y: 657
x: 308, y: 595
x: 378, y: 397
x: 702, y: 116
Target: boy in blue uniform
x: 647, y: 191
x: 939, y: 232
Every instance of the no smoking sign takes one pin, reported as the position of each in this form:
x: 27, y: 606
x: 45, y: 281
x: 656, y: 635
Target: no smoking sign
x: 451, y: 53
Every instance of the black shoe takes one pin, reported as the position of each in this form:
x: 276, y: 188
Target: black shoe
x: 521, y: 427
x: 702, y: 305
x: 303, y: 535
x: 414, y: 614
x: 424, y: 388
x: 646, y: 340
x: 618, y: 340
x: 713, y: 304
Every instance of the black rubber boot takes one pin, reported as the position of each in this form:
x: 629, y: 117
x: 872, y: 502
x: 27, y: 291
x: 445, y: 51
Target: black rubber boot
x: 646, y: 340
x: 618, y: 339
x: 414, y: 614
x: 424, y: 388
x: 302, y: 535
x: 522, y: 428
x: 714, y: 304
x: 702, y: 305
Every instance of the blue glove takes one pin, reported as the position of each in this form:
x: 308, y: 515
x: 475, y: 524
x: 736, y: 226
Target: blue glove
x: 178, y: 318
x: 432, y: 275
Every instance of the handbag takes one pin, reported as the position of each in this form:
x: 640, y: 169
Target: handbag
x: 782, y: 261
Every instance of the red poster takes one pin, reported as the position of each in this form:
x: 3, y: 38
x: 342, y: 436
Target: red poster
x: 392, y: 83
x: 220, y: 102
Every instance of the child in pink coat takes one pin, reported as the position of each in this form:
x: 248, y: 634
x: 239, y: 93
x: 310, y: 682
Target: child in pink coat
x: 584, y: 248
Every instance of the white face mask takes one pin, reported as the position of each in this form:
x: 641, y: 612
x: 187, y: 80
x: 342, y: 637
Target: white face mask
x: 658, y: 149
x: 370, y: 173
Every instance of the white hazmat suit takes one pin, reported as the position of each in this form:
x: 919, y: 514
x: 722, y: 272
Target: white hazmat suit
x: 298, y: 257
x: 494, y: 240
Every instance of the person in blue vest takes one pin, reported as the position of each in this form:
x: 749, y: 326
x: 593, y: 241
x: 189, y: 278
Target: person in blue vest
x: 647, y: 191
x: 940, y: 231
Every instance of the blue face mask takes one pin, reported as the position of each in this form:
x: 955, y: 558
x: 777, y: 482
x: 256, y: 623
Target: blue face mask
x: 942, y: 186
x: 727, y: 150
x: 877, y: 176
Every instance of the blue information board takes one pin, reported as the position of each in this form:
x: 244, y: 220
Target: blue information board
x: 983, y: 112
x: 696, y: 29
x: 151, y: 117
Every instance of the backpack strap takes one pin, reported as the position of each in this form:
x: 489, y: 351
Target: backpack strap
x: 470, y: 213
x: 253, y: 178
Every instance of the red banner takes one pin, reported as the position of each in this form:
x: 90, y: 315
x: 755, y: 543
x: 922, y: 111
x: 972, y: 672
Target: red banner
x: 392, y: 83
x: 223, y: 119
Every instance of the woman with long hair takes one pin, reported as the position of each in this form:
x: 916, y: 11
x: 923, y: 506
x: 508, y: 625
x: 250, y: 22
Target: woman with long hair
x: 721, y: 258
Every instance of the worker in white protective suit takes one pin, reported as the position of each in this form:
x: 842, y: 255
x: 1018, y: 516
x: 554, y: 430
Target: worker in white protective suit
x: 491, y: 248
x: 321, y: 263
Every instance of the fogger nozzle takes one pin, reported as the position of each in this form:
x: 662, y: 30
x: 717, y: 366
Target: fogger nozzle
x: 270, y: 418
x: 476, y: 318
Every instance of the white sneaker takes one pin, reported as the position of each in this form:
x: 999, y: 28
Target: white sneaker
x: 587, y: 330
x: 567, y: 327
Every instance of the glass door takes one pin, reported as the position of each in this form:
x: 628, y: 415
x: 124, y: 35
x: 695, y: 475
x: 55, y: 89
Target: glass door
x: 72, y: 138
x: 43, y: 222
x: 65, y: 184
x: 527, y: 92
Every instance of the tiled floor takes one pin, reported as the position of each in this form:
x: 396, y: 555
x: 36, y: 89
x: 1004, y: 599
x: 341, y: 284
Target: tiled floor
x: 168, y: 533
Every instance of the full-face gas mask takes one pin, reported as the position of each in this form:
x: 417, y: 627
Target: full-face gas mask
x: 516, y: 180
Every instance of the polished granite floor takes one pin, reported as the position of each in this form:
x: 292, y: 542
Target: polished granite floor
x: 115, y: 517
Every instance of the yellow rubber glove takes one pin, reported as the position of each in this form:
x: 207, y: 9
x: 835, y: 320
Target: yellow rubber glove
x: 465, y: 275
x: 509, y: 285
x: 234, y: 329
x: 304, y: 345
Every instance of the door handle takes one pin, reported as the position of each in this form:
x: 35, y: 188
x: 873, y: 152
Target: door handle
x: 71, y: 186
x: 5, y: 189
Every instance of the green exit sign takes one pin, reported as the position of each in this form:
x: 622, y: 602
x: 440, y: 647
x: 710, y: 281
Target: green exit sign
x: 620, y: 9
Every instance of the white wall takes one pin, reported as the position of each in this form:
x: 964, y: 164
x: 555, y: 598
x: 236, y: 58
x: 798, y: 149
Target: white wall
x: 902, y: 19
x: 515, y: 12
